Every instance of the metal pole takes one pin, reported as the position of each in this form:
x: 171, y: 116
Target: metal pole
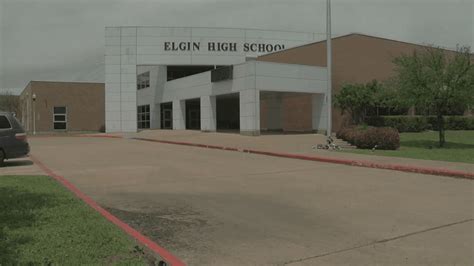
x: 329, y: 66
x: 34, y: 114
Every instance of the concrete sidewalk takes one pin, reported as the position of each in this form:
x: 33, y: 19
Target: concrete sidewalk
x: 287, y: 143
x: 22, y: 166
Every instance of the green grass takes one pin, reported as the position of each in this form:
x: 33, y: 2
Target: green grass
x: 459, y: 147
x: 41, y: 223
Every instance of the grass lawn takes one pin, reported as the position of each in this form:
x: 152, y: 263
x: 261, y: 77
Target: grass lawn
x: 41, y: 223
x: 459, y: 146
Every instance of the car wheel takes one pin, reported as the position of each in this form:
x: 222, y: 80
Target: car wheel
x: 2, y: 158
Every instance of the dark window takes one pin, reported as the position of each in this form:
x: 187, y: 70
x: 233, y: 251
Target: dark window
x: 4, y: 123
x: 59, y: 126
x: 60, y: 118
x: 223, y: 73
x: 60, y: 110
x: 177, y: 72
x: 143, y: 116
x: 143, y: 81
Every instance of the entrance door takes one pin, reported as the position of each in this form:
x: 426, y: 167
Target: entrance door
x: 193, y: 114
x: 194, y: 119
x: 166, y: 116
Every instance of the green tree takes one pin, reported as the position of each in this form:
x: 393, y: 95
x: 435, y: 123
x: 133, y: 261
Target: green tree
x: 438, y: 80
x: 358, y: 99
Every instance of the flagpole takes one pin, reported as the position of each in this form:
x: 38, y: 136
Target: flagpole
x: 329, y: 67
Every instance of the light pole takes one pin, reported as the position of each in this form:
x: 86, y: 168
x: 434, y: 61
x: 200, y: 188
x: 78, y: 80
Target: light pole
x: 34, y: 115
x: 329, y: 66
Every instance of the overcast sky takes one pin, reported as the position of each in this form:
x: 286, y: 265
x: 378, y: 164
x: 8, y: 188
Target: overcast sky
x: 64, y: 39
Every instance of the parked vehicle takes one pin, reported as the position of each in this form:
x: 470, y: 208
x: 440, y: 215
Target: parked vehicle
x: 13, y: 142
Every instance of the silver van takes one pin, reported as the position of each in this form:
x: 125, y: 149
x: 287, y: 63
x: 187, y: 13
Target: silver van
x: 13, y: 142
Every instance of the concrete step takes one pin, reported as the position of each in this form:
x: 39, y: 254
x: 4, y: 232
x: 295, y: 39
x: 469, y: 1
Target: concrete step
x: 344, y: 144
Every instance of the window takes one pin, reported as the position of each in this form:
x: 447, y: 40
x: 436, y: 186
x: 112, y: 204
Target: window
x: 177, y: 72
x: 4, y: 123
x: 143, y: 81
x: 60, y: 118
x: 143, y: 116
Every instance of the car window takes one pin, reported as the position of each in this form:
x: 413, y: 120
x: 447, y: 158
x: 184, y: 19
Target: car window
x: 4, y: 123
x: 15, y: 123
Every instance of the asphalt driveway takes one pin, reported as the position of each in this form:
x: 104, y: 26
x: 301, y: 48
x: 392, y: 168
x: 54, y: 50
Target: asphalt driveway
x: 212, y: 207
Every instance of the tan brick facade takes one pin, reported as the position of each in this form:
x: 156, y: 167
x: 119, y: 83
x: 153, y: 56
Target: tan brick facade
x: 85, y: 103
x: 357, y: 58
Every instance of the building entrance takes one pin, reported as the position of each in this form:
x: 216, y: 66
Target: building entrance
x: 166, y: 115
x: 193, y: 114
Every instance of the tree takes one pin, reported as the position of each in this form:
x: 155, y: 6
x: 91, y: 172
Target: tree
x: 437, y: 80
x: 10, y: 103
x: 358, y: 99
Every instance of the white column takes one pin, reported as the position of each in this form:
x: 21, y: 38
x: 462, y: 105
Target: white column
x: 179, y: 111
x: 158, y: 95
x: 112, y: 80
x: 319, y: 113
x: 121, y: 79
x: 249, y: 112
x: 128, y: 79
x: 208, y: 113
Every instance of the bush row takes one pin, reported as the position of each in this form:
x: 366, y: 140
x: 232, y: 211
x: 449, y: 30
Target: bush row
x: 421, y: 123
x: 381, y: 138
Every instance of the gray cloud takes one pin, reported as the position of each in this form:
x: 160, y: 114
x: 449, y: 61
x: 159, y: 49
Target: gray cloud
x: 64, y: 39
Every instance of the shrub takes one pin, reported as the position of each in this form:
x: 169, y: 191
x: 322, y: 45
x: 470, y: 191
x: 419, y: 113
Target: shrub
x: 102, y: 129
x: 401, y: 123
x: 421, y: 123
x: 453, y: 122
x: 382, y: 138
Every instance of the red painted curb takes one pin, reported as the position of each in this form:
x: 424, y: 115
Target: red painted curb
x: 166, y: 255
x: 360, y: 163
x: 76, y: 136
x: 100, y: 136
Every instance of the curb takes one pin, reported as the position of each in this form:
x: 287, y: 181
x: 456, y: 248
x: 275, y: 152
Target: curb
x: 101, y: 136
x: 166, y: 255
x: 359, y: 163
x: 75, y: 136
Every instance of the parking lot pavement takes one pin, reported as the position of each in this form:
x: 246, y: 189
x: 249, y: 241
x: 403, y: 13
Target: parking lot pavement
x: 212, y: 207
x: 288, y: 143
x: 22, y: 166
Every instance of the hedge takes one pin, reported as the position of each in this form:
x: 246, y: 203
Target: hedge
x: 381, y: 138
x: 421, y: 123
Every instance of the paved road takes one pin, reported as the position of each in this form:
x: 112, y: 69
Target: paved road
x: 289, y: 143
x: 213, y: 207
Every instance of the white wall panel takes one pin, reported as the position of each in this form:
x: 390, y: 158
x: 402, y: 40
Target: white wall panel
x: 112, y: 50
x: 163, y: 59
x: 112, y: 60
x: 128, y: 69
x: 160, y: 31
x: 218, y: 32
x: 112, y: 69
x: 128, y: 40
x: 112, y: 31
x: 111, y: 115
x: 112, y: 41
x: 112, y: 78
x: 128, y: 31
x: 112, y: 106
x: 128, y: 78
x: 290, y: 84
